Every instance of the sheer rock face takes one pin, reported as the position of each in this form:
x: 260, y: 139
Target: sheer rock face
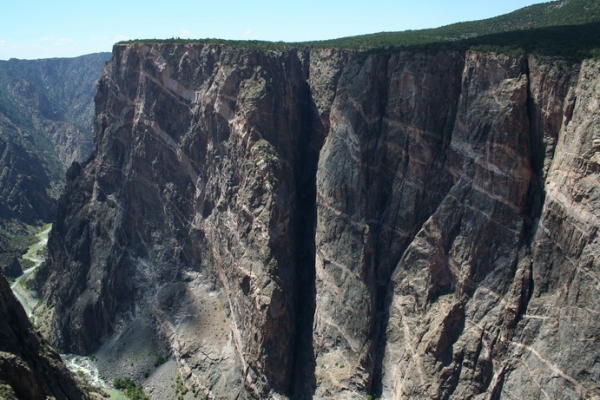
x: 29, y: 367
x: 379, y: 176
x: 335, y: 224
x: 188, y: 211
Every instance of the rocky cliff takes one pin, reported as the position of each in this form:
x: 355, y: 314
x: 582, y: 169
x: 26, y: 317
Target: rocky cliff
x: 337, y: 224
x: 29, y: 367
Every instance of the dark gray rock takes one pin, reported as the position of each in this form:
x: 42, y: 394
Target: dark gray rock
x: 336, y: 224
x: 14, y: 269
x: 29, y: 367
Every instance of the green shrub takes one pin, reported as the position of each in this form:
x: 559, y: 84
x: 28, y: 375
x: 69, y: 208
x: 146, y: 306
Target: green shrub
x: 160, y: 360
x: 133, y: 390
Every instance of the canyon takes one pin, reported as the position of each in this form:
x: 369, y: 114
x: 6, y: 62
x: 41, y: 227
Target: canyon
x: 29, y: 367
x: 330, y: 223
x: 46, y: 115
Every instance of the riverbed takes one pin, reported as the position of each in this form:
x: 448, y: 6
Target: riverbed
x: 30, y: 300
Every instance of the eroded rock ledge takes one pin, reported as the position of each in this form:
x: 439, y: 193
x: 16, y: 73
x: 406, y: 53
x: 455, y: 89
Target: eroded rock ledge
x: 336, y: 224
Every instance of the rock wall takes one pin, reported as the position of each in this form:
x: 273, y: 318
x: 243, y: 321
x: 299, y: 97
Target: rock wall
x: 29, y: 367
x: 24, y: 184
x: 338, y: 224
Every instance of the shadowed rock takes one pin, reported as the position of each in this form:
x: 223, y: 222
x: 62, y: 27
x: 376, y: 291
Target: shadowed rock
x: 29, y: 367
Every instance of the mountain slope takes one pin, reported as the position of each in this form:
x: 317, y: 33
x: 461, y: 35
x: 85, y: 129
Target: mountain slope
x: 566, y: 28
x: 52, y: 100
x: 529, y: 21
x: 46, y: 112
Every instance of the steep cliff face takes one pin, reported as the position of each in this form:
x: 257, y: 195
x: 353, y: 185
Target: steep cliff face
x: 193, y: 192
x: 379, y: 176
x: 331, y: 223
x: 29, y: 367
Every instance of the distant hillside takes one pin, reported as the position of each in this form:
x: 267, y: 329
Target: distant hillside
x: 52, y: 100
x: 566, y: 28
x: 46, y: 114
x: 554, y: 13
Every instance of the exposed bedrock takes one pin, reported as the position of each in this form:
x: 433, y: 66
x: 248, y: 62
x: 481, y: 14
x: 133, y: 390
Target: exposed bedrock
x: 337, y: 224
x: 29, y: 367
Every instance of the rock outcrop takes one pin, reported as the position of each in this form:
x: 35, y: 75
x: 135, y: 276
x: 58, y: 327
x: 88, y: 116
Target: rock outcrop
x: 331, y: 223
x: 14, y: 269
x: 29, y: 367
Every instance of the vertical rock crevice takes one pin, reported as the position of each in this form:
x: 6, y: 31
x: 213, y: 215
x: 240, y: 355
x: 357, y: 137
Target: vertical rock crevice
x: 437, y: 183
x: 378, y: 178
x: 310, y: 143
x: 549, y: 104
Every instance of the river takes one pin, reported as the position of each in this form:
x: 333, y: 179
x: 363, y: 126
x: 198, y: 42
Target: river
x: 29, y: 299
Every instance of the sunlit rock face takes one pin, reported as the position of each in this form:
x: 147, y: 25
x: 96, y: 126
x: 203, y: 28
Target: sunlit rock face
x: 332, y: 224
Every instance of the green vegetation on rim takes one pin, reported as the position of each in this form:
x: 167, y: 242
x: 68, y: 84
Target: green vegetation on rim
x: 567, y: 28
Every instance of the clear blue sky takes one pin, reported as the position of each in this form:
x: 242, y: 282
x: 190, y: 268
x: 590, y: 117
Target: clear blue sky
x: 32, y: 29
